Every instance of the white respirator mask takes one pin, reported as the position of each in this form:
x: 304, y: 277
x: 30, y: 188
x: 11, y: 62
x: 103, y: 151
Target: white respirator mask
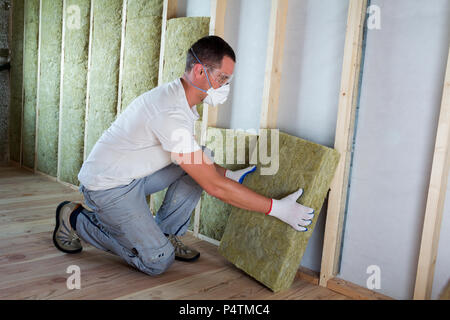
x: 214, y: 96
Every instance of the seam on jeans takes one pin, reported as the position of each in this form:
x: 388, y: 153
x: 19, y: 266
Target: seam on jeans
x: 176, y: 233
x: 98, y: 227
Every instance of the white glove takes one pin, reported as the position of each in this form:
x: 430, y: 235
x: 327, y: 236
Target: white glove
x: 239, y: 175
x: 291, y: 212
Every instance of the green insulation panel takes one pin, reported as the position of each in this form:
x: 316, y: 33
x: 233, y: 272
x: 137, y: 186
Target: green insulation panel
x: 49, y: 86
x: 264, y: 247
x: 15, y: 109
x: 104, y: 70
x: 181, y: 34
x: 142, y: 48
x: 231, y: 151
x: 76, y: 47
x: 30, y: 71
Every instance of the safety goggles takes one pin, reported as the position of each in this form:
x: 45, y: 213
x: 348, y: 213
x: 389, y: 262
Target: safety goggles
x: 220, y: 77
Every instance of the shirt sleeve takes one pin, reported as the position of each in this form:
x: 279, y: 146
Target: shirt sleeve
x: 174, y: 132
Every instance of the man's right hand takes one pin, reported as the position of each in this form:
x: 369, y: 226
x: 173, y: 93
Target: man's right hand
x: 291, y: 212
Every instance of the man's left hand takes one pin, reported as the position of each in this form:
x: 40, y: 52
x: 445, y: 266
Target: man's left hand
x: 239, y: 175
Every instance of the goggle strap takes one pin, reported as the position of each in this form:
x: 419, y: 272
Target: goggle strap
x: 204, y: 69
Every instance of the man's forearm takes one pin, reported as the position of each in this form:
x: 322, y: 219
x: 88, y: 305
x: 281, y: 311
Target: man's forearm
x: 234, y: 193
x: 220, y: 170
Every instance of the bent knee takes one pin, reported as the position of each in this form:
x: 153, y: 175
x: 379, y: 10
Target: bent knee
x: 156, y: 263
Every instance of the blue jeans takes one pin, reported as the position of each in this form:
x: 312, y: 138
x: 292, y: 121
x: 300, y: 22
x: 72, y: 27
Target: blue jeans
x: 121, y: 222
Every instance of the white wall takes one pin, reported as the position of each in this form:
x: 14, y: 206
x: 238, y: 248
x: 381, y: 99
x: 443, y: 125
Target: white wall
x: 400, y: 101
x: 246, y: 30
x: 193, y: 8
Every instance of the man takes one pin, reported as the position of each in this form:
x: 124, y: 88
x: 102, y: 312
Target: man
x: 150, y: 147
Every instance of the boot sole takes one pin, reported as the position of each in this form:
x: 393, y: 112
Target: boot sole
x: 58, y: 212
x: 188, y: 259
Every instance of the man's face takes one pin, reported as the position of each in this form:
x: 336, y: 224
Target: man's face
x: 217, y: 77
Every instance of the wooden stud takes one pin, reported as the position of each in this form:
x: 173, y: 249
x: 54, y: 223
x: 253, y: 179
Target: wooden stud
x: 209, y: 117
x: 23, y: 87
x: 86, y: 114
x: 122, y: 52
x: 10, y: 30
x: 274, y: 63
x: 169, y: 12
x: 216, y: 27
x: 61, y: 91
x: 436, y: 198
x: 344, y: 136
x: 38, y: 85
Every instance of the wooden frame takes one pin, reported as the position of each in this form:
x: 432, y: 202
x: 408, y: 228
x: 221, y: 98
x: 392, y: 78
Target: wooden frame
x: 169, y: 12
x: 88, y: 81
x: 209, y: 117
x: 38, y: 85
x: 274, y: 64
x: 436, y: 198
x: 61, y: 91
x: 348, y: 99
x: 216, y: 27
x: 122, y: 52
x: 23, y: 88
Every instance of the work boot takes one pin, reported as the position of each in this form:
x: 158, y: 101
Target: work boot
x: 64, y: 236
x: 183, y: 252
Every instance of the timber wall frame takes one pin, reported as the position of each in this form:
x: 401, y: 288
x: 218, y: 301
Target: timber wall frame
x: 436, y: 198
x: 345, y: 125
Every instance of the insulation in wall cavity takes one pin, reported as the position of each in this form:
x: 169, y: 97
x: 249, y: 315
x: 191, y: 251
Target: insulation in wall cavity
x: 231, y: 150
x: 15, y: 108
x: 49, y: 86
x: 181, y: 34
x: 76, y: 47
x: 266, y: 248
x: 104, y: 69
x: 142, y: 48
x: 30, y: 68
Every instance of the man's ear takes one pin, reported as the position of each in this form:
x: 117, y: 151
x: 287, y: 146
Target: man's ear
x: 198, y: 69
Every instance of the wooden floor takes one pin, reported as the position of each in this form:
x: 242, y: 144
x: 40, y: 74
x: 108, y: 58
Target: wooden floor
x: 32, y: 268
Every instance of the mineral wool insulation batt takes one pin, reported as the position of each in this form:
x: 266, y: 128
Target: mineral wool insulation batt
x: 49, y: 86
x: 266, y: 248
x: 76, y: 47
x: 30, y: 67
x: 227, y: 145
x: 104, y: 69
x: 142, y: 48
x: 181, y: 33
x: 15, y: 111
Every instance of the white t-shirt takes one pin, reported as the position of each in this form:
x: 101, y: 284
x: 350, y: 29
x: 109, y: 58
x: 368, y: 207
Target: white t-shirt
x: 140, y: 140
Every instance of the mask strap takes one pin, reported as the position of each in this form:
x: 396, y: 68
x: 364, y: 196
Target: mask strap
x: 204, y: 69
x: 203, y: 90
